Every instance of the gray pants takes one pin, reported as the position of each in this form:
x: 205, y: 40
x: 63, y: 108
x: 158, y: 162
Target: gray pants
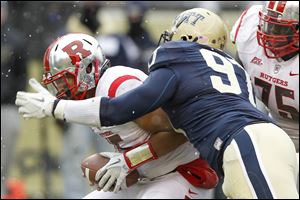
x: 10, y: 128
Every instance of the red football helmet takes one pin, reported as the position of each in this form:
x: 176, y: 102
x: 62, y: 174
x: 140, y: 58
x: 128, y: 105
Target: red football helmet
x: 73, y: 65
x: 278, y: 30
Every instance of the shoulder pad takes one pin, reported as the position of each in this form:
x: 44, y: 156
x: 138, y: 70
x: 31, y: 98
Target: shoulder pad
x: 173, y: 52
x: 245, y: 27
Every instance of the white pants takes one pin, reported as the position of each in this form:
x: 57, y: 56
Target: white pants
x: 170, y: 186
x: 260, y: 162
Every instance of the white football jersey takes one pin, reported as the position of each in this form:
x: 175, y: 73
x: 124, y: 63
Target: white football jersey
x: 116, y: 81
x: 276, y: 83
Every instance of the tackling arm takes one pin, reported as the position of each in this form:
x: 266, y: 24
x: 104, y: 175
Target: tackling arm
x: 163, y: 137
x: 158, y: 88
x: 163, y: 140
x: 102, y: 111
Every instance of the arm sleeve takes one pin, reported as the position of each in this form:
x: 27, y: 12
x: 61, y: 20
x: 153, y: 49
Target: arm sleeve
x: 156, y: 90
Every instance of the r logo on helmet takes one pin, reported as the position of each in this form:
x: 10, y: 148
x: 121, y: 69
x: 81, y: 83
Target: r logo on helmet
x: 79, y: 49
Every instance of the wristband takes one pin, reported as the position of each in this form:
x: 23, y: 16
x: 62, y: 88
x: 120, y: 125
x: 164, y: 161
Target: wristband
x: 54, y: 106
x: 139, y: 155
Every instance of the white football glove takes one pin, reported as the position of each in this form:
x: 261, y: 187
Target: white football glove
x: 114, y: 172
x: 35, y: 105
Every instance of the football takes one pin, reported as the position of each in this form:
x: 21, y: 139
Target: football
x: 93, y: 163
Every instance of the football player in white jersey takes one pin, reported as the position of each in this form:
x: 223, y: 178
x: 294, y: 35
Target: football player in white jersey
x: 267, y: 43
x: 75, y: 68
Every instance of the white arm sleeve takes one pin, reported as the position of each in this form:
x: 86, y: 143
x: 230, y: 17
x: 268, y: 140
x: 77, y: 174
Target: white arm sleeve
x: 86, y: 112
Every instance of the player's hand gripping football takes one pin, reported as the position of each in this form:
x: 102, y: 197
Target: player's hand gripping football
x: 114, y: 172
x: 35, y: 105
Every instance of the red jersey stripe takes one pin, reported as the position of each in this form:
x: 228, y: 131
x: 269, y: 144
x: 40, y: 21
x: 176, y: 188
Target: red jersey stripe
x: 116, y: 83
x: 238, y: 28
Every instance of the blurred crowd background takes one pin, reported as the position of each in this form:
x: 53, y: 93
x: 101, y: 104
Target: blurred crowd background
x: 41, y: 158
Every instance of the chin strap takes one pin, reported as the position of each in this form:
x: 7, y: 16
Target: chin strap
x: 139, y: 155
x: 104, y: 67
x: 166, y: 36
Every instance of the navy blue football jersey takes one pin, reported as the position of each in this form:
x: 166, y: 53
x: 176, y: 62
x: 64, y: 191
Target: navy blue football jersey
x: 204, y: 91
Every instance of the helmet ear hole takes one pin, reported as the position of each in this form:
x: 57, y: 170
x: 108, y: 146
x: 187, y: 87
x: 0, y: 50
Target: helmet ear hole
x: 184, y: 38
x: 89, y: 68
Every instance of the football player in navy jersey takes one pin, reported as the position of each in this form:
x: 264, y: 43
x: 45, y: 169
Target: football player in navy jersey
x: 208, y: 97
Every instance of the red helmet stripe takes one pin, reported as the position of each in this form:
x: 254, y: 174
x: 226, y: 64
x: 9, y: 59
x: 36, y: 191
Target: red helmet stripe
x: 271, y: 5
x: 46, y: 60
x: 116, y: 83
x: 280, y: 6
x: 46, y: 57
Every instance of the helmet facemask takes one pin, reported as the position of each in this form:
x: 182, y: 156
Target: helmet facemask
x: 66, y: 84
x: 278, y: 36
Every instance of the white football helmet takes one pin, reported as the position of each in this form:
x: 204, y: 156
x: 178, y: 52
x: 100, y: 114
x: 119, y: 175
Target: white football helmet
x: 198, y: 25
x: 73, y: 65
x: 278, y: 30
